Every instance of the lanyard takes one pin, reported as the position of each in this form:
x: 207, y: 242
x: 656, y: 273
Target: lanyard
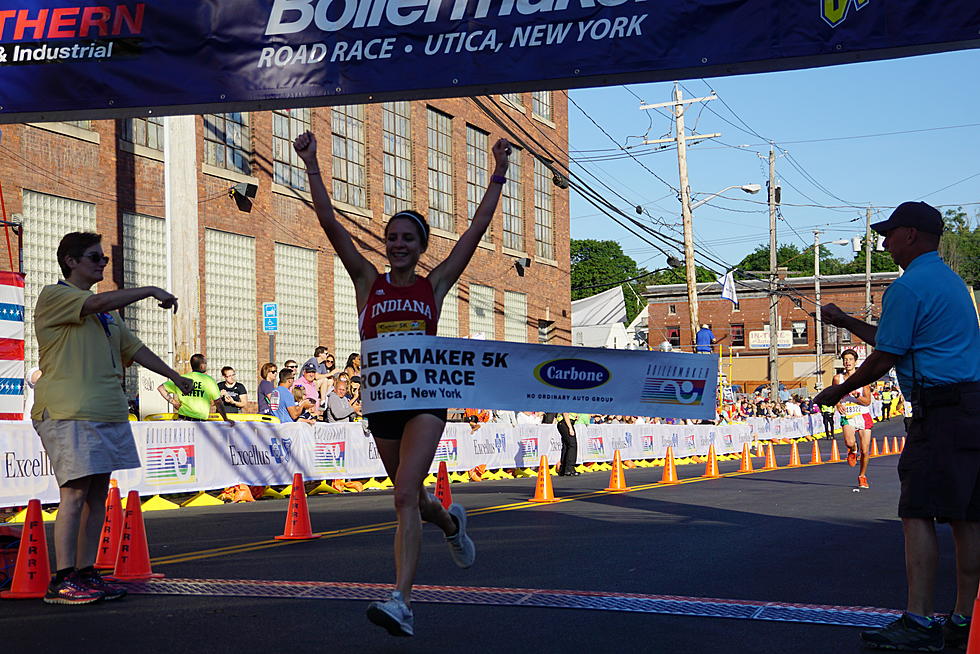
x: 105, y: 319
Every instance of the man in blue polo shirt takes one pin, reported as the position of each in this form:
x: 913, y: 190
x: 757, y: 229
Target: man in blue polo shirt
x: 704, y: 339
x: 928, y: 332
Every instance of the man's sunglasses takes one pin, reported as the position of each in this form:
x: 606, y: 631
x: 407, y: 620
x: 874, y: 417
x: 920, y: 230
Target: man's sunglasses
x: 95, y: 258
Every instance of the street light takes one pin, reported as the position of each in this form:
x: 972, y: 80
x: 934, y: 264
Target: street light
x: 691, y: 272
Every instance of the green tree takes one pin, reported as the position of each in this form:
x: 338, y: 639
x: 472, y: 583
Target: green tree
x: 960, y: 245
x: 679, y: 276
x: 597, y: 263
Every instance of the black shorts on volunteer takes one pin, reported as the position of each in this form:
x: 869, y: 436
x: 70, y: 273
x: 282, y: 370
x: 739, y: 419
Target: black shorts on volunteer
x: 391, y: 424
x: 940, y: 466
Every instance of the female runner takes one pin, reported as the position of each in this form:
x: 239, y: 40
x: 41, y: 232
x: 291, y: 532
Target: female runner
x: 855, y: 410
x: 407, y: 440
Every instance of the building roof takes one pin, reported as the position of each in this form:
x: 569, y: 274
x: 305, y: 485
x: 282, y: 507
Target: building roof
x: 754, y: 287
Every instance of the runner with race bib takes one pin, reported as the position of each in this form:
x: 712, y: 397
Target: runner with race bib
x: 855, y: 410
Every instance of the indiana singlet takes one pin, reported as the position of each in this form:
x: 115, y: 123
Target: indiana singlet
x: 399, y: 310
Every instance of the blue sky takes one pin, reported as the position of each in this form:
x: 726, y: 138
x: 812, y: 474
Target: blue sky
x: 837, y: 102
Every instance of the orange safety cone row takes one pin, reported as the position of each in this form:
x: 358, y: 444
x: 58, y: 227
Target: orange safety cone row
x: 746, y: 459
x: 874, y: 447
x: 297, y: 514
x: 32, y: 571
x: 770, y: 459
x: 670, y: 468
x: 543, y: 491
x: 617, y: 478
x: 834, y: 452
x: 112, y: 528
x: 794, y: 456
x: 133, y: 562
x: 444, y: 495
x: 815, y: 456
x: 711, y: 468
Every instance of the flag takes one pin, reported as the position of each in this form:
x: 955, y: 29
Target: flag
x: 11, y: 346
x: 727, y: 283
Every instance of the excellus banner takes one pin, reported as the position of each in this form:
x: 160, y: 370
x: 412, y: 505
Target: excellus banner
x: 429, y: 372
x: 85, y: 59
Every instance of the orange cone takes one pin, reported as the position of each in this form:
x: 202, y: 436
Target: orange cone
x: 770, y: 459
x: 902, y: 447
x: 711, y: 468
x: 112, y: 528
x: 133, y: 562
x: 973, y: 643
x: 886, y: 447
x: 297, y: 515
x: 32, y: 571
x: 834, y: 452
x: 670, y: 468
x: 617, y: 479
x: 815, y: 457
x: 874, y: 447
x: 746, y: 459
x: 895, y: 449
x: 543, y: 492
x: 442, y: 486
x: 794, y: 456
x: 760, y: 448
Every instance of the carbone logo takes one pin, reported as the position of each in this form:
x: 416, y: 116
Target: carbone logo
x: 447, y: 451
x: 596, y: 447
x: 572, y: 374
x: 173, y: 464
x: 280, y: 448
x: 330, y: 456
x: 528, y: 450
x: 834, y: 12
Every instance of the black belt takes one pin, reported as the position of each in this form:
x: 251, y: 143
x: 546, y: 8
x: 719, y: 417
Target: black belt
x: 940, y: 396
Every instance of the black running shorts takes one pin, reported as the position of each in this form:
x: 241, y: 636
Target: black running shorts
x: 391, y: 424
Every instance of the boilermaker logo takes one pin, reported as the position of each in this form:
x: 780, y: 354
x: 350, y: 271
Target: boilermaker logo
x: 447, y: 451
x: 173, y: 464
x: 330, y: 456
x: 834, y: 12
x: 647, y: 444
x: 672, y: 384
x: 727, y: 439
x: 572, y: 374
x: 690, y: 442
x: 596, y: 447
x: 527, y: 450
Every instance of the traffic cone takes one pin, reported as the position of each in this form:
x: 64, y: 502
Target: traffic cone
x: 617, y: 478
x: 543, y: 492
x: 442, y: 486
x: 895, y: 449
x: 815, y: 457
x: 297, y: 514
x: 670, y: 468
x: 902, y: 447
x: 874, y: 447
x: 760, y: 449
x: 834, y: 452
x: 711, y: 469
x: 133, y: 562
x: 794, y: 456
x: 746, y: 459
x: 973, y: 643
x: 32, y: 571
x: 886, y: 447
x: 112, y: 528
x: 770, y: 459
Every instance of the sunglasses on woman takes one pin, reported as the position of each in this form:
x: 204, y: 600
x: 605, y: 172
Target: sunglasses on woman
x: 95, y: 258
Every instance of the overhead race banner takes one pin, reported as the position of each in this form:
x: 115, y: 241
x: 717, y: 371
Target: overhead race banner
x: 429, y: 372
x: 84, y: 59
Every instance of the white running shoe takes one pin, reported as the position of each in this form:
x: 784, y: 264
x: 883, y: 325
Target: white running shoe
x: 394, y: 615
x: 461, y: 546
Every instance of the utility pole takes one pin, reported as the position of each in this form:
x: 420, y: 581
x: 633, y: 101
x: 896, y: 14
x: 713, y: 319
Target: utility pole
x: 867, y: 265
x: 681, y: 139
x: 818, y: 324
x: 773, y: 298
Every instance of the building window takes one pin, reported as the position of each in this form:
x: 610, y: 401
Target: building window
x: 229, y: 283
x: 449, y: 314
x: 672, y: 309
x: 512, y: 204
x: 145, y: 264
x: 296, y: 293
x: 83, y: 124
x: 515, y: 317
x: 346, y: 337
x: 396, y: 143
x: 287, y: 168
x: 801, y: 335
x: 477, y: 153
x: 147, y: 132
x: 440, y: 134
x: 481, y: 312
x: 514, y: 99
x: 544, y: 215
x: 545, y: 328
x: 673, y: 335
x: 347, y: 123
x: 228, y: 142
x: 541, y: 104
x: 738, y: 335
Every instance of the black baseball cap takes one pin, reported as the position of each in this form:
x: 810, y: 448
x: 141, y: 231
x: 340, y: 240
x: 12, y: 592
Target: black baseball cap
x: 309, y: 368
x: 922, y: 216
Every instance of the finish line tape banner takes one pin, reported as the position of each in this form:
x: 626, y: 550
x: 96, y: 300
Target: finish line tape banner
x: 429, y: 372
x: 77, y: 59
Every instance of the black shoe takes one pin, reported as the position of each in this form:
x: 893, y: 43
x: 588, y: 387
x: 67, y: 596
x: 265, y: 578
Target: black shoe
x: 956, y: 635
x: 91, y: 578
x: 906, y: 634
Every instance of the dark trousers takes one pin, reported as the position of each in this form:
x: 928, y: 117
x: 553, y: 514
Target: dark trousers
x: 569, y: 448
x: 828, y: 423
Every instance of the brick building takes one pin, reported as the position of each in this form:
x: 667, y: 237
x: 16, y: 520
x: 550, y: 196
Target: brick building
x: 745, y: 351
x: 109, y: 176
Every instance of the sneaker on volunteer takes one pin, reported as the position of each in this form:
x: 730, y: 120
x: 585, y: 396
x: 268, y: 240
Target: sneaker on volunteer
x: 461, y: 546
x: 93, y: 579
x: 906, y: 633
x: 863, y: 482
x: 393, y: 614
x: 956, y: 631
x: 71, y: 590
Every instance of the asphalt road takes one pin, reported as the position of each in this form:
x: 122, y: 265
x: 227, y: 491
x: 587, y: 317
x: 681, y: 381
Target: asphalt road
x: 798, y: 535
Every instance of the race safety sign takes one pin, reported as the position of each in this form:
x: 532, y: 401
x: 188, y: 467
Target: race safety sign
x: 77, y: 59
x: 426, y: 372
